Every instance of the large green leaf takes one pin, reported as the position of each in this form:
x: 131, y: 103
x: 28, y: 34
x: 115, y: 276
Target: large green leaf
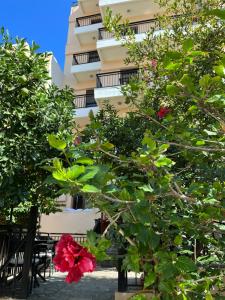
x: 90, y: 189
x: 150, y: 142
x: 220, y: 70
x: 56, y: 143
x: 69, y: 173
x: 89, y: 174
x: 74, y: 172
x: 185, y: 264
x: 149, y: 279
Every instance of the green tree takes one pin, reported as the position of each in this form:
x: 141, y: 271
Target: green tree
x: 165, y: 197
x: 30, y: 109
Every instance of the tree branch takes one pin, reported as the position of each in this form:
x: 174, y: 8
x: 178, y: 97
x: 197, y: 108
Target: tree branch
x: 206, y: 149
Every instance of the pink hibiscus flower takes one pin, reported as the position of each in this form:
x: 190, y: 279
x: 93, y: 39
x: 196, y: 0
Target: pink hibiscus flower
x: 71, y: 257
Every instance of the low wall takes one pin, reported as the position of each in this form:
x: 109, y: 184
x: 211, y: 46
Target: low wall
x: 69, y: 221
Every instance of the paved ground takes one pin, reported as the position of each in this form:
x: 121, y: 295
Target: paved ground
x: 99, y: 285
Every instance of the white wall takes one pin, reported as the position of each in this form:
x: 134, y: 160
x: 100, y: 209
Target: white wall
x: 55, y: 72
x: 69, y: 221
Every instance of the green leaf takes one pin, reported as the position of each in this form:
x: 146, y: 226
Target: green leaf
x: 60, y: 175
x: 178, y: 240
x: 150, y: 142
x: 185, y: 264
x: 24, y: 91
x: 57, y: 163
x: 154, y: 239
x: 216, y: 98
x: 209, y: 296
x: 220, y: 70
x: 163, y: 148
x: 200, y: 143
x: 163, y: 161
x: 56, y: 143
x: 69, y: 173
x: 211, y: 201
x: 197, y: 53
x: 74, y: 172
x: 210, y: 133
x: 173, y: 66
x: 85, y: 161
x: 146, y: 188
x: 220, y: 13
x: 173, y: 55
x: 149, y: 279
x: 90, y: 173
x: 205, y: 81
x: 124, y: 195
x: 187, y: 81
x: 90, y: 189
x: 172, y: 90
x: 107, y: 146
x: 188, y: 44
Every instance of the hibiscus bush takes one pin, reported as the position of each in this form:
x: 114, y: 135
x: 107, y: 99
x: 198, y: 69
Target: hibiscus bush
x: 162, y: 188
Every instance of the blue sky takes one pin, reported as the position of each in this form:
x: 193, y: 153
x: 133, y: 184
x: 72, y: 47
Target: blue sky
x: 42, y: 21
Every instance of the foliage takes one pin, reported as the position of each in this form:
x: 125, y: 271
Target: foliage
x: 30, y: 109
x: 166, y: 196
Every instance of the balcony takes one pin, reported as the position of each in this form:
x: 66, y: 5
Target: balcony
x: 86, y: 30
x: 130, y: 8
x: 89, y: 20
x: 109, y: 87
x: 83, y: 105
x: 85, y: 58
x: 85, y: 101
x: 85, y: 65
x: 111, y: 49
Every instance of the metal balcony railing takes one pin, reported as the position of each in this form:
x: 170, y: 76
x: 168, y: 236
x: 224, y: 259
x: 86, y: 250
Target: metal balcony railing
x: 115, y: 78
x: 83, y: 101
x: 85, y: 58
x: 88, y: 20
x: 136, y: 27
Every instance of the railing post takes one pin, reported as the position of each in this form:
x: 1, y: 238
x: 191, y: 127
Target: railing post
x: 122, y: 274
x: 26, y: 281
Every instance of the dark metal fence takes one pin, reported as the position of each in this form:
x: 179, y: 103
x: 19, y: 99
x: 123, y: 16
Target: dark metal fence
x: 89, y: 20
x: 85, y: 58
x: 136, y: 27
x: 25, y: 259
x: 78, y: 237
x: 115, y: 78
x: 83, y: 101
x: 14, y: 261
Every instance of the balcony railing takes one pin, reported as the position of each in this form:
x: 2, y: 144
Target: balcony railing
x: 136, y: 27
x: 89, y: 20
x: 85, y: 58
x: 83, y: 101
x: 115, y: 78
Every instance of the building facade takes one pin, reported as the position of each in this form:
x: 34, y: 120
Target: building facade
x: 95, y: 69
x: 94, y: 59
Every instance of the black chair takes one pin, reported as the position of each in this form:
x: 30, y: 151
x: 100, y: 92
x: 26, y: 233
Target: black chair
x: 43, y: 254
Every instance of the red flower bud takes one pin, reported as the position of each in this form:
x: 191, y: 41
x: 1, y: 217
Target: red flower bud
x: 163, y: 112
